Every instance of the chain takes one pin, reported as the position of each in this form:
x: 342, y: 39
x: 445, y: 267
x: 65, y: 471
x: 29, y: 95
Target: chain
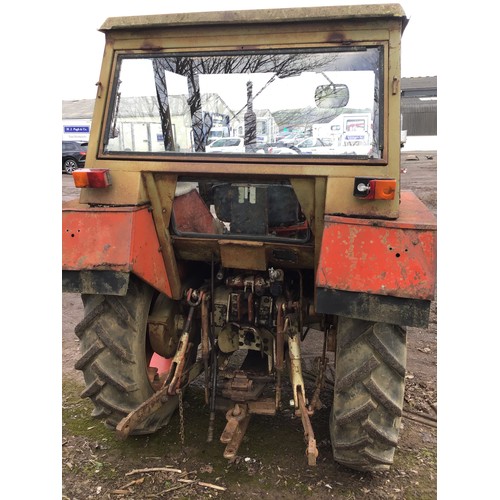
x: 181, y: 415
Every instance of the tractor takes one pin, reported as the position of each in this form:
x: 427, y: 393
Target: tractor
x: 206, y: 264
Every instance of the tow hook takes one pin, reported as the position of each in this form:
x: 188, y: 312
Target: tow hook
x: 237, y: 418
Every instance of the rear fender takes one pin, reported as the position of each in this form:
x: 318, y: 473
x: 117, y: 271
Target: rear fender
x: 370, y: 267
x: 101, y: 245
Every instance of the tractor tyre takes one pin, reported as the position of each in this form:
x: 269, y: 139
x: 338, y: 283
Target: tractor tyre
x: 370, y: 367
x: 115, y: 355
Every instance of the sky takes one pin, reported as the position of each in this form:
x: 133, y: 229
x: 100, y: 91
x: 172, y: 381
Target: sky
x: 85, y: 43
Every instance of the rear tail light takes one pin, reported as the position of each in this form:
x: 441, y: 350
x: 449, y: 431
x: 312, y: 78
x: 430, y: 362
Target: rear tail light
x: 383, y: 189
x: 374, y: 189
x: 92, y: 177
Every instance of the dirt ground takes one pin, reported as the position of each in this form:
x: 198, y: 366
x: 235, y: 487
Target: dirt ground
x: 271, y: 461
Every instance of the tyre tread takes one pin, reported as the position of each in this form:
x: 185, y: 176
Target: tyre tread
x: 383, y: 397
x: 358, y: 374
x: 89, y: 355
x: 113, y: 355
x: 368, y: 393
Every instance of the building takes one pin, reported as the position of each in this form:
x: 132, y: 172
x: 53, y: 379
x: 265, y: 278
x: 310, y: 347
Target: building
x: 419, y: 112
x: 140, y: 130
x: 77, y: 119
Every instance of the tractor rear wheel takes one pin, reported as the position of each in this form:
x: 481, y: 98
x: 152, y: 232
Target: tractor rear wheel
x: 367, y: 406
x: 115, y: 356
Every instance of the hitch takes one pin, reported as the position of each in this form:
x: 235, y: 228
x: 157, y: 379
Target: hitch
x: 176, y: 379
x: 299, y: 398
x: 237, y: 418
x: 154, y: 403
x: 311, y: 450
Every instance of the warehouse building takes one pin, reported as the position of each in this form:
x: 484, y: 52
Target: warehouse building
x: 419, y: 112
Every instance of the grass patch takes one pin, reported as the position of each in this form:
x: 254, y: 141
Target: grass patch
x: 270, y: 447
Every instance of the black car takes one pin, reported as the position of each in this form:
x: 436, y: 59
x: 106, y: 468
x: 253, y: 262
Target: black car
x: 73, y: 155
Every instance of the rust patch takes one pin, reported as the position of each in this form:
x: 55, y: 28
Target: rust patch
x: 336, y: 36
x: 116, y: 240
x: 147, y: 45
x: 376, y: 259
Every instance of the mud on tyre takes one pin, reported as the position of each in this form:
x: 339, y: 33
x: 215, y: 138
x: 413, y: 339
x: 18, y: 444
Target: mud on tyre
x: 114, y: 357
x: 368, y: 396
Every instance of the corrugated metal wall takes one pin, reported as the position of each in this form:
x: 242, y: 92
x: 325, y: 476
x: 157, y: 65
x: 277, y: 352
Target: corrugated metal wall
x: 419, y: 116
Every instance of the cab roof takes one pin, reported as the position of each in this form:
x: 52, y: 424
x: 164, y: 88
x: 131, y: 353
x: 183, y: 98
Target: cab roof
x: 287, y: 15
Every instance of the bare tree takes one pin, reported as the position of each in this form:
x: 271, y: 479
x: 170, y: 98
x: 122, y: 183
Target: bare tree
x: 280, y: 65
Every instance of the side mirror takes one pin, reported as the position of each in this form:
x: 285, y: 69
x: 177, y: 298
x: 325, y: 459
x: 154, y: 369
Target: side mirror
x: 331, y: 96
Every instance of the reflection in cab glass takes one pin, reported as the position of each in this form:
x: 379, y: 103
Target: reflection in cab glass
x: 265, y: 103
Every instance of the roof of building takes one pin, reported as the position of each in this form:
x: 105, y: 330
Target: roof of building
x: 420, y: 86
x: 82, y: 108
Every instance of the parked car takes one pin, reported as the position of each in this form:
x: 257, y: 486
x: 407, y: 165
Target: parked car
x: 227, y: 145
x: 319, y: 146
x: 279, y: 148
x: 292, y: 139
x: 74, y: 154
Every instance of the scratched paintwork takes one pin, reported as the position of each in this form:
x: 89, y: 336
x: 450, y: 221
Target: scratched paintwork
x: 120, y: 239
x: 395, y: 258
